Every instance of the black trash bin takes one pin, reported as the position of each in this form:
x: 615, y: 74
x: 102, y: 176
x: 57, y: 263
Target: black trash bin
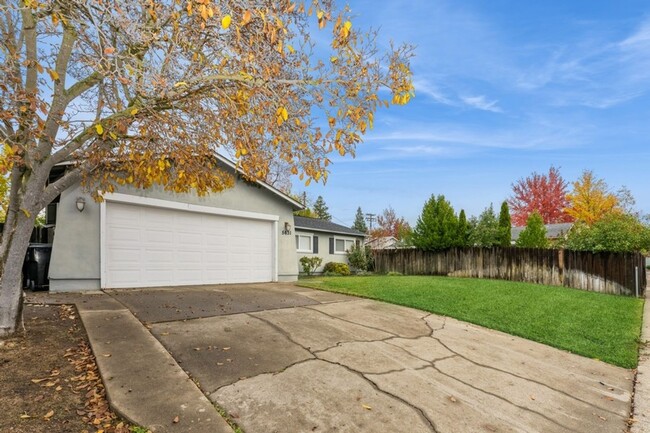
x: 37, y: 266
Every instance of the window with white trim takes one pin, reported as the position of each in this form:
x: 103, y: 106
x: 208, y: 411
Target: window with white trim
x: 342, y: 246
x: 303, y: 243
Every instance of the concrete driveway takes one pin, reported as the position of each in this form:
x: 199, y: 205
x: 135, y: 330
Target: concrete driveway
x: 280, y: 358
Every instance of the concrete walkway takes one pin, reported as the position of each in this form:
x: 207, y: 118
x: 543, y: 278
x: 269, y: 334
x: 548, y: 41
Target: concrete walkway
x: 641, y: 415
x: 279, y: 358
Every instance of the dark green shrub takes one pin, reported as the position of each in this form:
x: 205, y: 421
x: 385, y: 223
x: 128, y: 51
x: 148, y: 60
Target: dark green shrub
x: 360, y: 257
x: 336, y: 268
x: 310, y: 264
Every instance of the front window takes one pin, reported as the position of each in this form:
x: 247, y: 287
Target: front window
x: 341, y: 246
x: 303, y: 243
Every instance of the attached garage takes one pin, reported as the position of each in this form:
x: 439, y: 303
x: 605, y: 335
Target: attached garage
x: 150, y: 243
x: 152, y: 237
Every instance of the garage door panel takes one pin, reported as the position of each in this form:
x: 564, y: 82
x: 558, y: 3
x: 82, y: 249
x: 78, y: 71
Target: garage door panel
x: 189, y: 239
x: 158, y: 277
x: 157, y: 258
x: 121, y: 233
x: 124, y: 255
x: 148, y: 246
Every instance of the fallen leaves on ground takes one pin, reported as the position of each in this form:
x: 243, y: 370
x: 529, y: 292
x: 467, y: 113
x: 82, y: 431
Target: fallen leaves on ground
x: 96, y: 410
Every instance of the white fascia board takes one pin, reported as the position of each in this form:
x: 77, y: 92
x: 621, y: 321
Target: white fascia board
x: 168, y: 204
x: 274, y: 190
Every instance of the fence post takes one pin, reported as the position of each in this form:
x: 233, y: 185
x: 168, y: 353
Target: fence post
x: 636, y: 280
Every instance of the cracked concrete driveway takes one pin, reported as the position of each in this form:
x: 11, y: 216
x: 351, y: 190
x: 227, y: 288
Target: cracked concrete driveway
x: 280, y: 358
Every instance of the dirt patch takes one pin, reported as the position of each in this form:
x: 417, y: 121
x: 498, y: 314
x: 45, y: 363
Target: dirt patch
x: 50, y: 381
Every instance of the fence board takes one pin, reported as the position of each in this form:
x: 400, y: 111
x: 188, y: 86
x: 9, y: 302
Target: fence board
x: 613, y: 273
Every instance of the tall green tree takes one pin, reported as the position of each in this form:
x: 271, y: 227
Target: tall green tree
x: 360, y: 221
x: 437, y: 226
x: 486, y: 229
x: 505, y: 226
x: 534, y: 235
x: 615, y: 232
x: 464, y: 230
x: 321, y: 210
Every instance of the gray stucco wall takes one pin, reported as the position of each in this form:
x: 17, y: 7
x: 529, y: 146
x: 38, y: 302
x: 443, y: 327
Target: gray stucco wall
x: 324, y: 247
x: 75, y: 262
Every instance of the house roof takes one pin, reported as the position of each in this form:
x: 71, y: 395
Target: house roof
x: 294, y: 203
x: 553, y: 231
x: 319, y: 225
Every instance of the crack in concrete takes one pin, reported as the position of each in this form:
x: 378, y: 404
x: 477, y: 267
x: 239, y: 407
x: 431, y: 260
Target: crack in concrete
x: 432, y: 364
x: 431, y: 328
x: 429, y: 422
x: 512, y: 403
x: 527, y: 379
x: 374, y: 328
x: 265, y: 373
x: 374, y: 385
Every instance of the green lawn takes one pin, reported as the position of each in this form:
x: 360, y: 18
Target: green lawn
x: 604, y: 327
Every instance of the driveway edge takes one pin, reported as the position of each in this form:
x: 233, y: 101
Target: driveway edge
x: 151, y: 389
x: 641, y: 410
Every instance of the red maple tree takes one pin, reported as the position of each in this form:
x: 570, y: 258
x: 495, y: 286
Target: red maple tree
x: 389, y: 224
x: 544, y: 193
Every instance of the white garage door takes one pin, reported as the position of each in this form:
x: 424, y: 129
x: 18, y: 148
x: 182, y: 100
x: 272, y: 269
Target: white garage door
x: 150, y: 246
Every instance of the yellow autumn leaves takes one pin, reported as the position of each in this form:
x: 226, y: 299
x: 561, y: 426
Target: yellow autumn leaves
x: 225, y: 22
x: 282, y: 115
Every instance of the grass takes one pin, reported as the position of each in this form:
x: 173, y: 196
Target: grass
x: 605, y: 327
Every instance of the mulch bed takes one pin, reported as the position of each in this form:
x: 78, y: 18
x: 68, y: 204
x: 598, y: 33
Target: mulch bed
x: 50, y: 381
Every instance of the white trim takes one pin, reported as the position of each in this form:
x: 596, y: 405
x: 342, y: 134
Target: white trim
x: 344, y: 242
x: 311, y: 242
x: 276, y: 245
x: 102, y: 244
x: 167, y: 204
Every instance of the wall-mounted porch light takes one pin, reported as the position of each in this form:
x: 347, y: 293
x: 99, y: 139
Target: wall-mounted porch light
x: 81, y: 204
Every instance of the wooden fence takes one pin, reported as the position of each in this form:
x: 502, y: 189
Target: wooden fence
x: 615, y: 273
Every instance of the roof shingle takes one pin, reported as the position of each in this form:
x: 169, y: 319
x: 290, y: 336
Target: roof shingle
x: 320, y: 225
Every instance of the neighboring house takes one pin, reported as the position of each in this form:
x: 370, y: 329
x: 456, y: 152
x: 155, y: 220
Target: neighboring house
x: 325, y: 239
x: 151, y: 237
x: 553, y: 231
x: 383, y: 243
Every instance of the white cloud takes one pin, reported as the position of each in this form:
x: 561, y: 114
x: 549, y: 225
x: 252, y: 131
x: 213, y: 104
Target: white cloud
x: 481, y: 103
x: 424, y: 86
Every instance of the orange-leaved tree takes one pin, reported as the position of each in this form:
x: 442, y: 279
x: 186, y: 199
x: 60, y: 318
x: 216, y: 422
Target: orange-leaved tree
x: 389, y: 224
x: 590, y: 200
x: 145, y: 92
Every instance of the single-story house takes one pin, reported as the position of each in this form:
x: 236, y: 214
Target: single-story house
x: 152, y: 237
x: 383, y: 243
x: 553, y: 231
x: 325, y: 239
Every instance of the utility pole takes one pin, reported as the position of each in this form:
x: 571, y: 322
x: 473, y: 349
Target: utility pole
x: 371, y: 218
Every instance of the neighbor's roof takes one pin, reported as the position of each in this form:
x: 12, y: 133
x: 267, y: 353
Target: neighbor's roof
x: 553, y: 231
x: 382, y: 243
x: 319, y: 225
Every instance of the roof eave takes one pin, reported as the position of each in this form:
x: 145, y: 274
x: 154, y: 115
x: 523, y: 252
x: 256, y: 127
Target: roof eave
x: 311, y: 229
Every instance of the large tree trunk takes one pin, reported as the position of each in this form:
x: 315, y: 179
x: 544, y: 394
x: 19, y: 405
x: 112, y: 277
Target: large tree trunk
x: 11, y: 293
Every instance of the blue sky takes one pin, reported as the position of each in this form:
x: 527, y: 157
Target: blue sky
x: 503, y: 89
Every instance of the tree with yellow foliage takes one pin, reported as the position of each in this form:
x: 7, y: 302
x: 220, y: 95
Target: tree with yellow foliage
x: 144, y: 92
x: 590, y: 201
